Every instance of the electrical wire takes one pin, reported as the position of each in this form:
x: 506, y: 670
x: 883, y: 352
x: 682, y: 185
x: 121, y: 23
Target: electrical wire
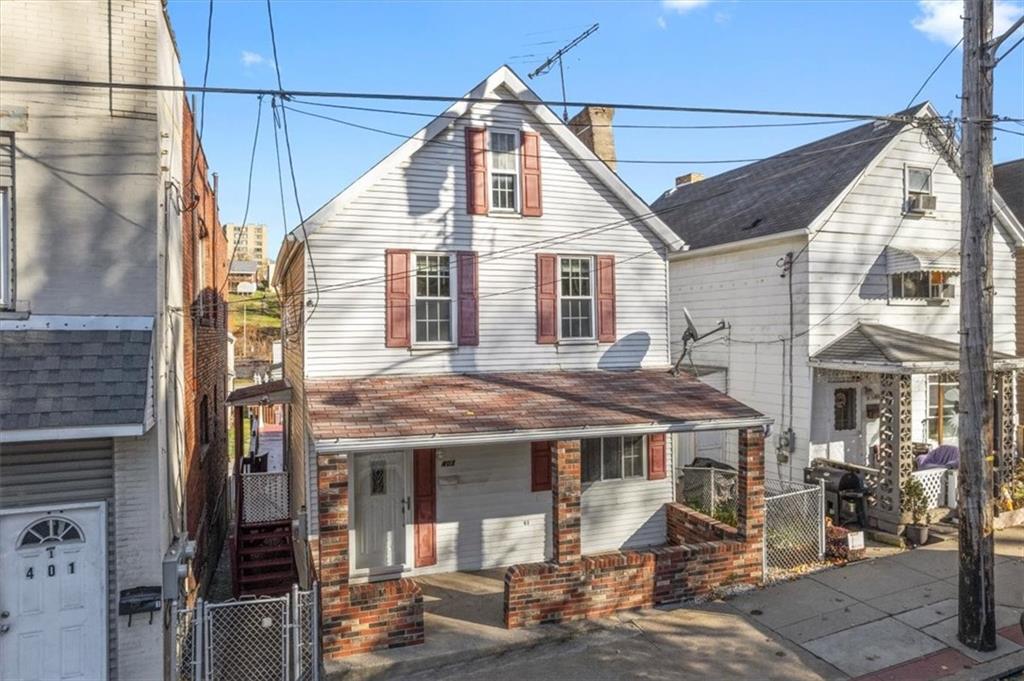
x: 248, y: 190
x: 197, y: 140
x: 934, y: 71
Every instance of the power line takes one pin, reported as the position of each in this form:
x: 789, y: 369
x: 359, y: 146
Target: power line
x: 197, y: 140
x: 326, y: 94
x: 617, y: 126
x: 248, y: 190
x: 592, y: 160
x: 934, y: 71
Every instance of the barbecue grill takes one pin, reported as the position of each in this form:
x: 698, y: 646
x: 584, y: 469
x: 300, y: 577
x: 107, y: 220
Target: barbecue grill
x: 845, y: 495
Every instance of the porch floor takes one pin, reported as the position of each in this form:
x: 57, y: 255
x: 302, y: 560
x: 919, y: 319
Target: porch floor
x: 470, y: 597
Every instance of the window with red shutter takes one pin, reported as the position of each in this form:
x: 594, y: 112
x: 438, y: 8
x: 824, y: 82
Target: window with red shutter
x: 469, y: 298
x: 425, y: 506
x: 547, y: 298
x: 396, y: 304
x: 656, y: 455
x: 540, y: 466
x: 476, y: 171
x: 532, y: 205
x: 606, y: 298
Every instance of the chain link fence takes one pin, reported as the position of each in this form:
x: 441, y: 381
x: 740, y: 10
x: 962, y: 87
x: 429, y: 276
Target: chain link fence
x: 270, y: 639
x: 712, y: 491
x: 794, y: 525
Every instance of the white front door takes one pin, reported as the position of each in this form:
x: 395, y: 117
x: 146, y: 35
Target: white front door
x: 53, y: 594
x: 846, y: 440
x: 381, y: 506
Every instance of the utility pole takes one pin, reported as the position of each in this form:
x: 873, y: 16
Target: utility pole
x: 977, y: 627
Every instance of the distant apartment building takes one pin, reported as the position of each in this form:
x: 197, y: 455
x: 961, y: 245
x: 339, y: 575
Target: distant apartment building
x: 251, y: 240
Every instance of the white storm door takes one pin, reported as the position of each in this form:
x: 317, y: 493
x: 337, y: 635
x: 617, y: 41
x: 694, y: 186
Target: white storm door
x: 381, y: 505
x: 52, y: 595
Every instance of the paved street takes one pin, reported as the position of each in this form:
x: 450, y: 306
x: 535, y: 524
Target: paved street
x: 892, y: 617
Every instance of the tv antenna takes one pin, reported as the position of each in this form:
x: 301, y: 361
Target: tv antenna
x: 692, y: 335
x: 557, y: 57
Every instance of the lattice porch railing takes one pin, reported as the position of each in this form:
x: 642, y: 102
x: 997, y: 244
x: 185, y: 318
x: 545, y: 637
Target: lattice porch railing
x: 264, y: 497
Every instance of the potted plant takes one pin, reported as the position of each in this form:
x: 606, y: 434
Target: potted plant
x: 915, y: 501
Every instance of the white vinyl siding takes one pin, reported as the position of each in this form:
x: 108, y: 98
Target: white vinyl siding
x: 486, y: 514
x: 625, y: 514
x: 421, y: 206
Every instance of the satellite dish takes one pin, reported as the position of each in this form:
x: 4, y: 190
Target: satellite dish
x: 690, y: 335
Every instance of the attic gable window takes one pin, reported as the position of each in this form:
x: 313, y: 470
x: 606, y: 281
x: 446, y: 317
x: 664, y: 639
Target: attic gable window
x: 504, y: 167
x: 924, y: 285
x: 919, y: 181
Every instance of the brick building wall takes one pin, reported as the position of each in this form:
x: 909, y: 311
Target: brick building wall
x: 205, y: 358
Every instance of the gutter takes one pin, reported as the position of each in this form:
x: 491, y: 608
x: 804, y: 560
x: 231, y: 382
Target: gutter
x: 344, y: 445
x: 73, y: 433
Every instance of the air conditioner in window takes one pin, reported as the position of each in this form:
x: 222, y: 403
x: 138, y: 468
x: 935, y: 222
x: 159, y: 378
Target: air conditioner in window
x: 922, y: 203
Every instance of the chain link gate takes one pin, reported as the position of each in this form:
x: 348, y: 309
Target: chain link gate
x: 794, y: 525
x: 254, y: 638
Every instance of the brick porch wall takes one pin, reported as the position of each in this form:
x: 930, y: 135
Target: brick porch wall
x: 571, y: 587
x: 356, y: 618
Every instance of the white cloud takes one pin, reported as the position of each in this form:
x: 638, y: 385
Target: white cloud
x: 662, y: 24
x: 722, y: 17
x: 255, y: 59
x: 940, y: 19
x: 684, y: 6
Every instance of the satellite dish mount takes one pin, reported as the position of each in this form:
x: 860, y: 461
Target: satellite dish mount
x: 692, y: 335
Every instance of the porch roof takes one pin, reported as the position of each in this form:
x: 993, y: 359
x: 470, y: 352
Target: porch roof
x: 886, y: 349
x: 271, y: 392
x: 429, y: 410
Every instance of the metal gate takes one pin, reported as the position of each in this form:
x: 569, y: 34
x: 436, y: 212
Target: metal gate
x: 272, y: 639
x: 794, y: 525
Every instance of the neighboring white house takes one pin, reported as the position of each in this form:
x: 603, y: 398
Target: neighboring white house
x: 487, y: 289
x: 91, y: 344
x: 849, y: 246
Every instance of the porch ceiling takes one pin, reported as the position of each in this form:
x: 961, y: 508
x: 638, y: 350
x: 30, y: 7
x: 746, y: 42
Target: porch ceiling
x: 466, y: 408
x: 886, y: 349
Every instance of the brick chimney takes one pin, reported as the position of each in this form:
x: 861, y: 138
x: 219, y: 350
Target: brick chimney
x: 593, y: 125
x: 689, y: 178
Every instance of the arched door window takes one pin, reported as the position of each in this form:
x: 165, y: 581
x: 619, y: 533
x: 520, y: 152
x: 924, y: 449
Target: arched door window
x: 52, y: 530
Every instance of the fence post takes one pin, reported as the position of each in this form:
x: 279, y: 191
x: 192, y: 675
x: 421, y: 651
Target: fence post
x: 293, y: 632
x: 821, y: 519
x: 314, y: 633
x: 764, y: 542
x: 714, y: 493
x: 200, y: 650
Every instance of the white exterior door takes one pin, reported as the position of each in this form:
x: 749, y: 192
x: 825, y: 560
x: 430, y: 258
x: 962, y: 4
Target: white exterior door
x: 381, y: 505
x: 53, y: 594
x: 846, y: 439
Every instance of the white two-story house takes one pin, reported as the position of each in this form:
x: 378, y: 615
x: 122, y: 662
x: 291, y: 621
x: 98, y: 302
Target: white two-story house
x: 835, y: 267
x: 476, y: 341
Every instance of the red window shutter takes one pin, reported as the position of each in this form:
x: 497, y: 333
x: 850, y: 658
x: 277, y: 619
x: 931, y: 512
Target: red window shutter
x: 656, y: 456
x: 424, y: 503
x: 530, y: 166
x: 469, y: 298
x: 397, y: 274
x: 606, y: 298
x: 547, y: 298
x: 540, y: 466
x: 476, y: 171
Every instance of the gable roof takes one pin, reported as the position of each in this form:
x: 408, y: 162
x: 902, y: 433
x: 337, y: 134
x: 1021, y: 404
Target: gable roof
x: 1009, y: 181
x: 778, y: 194
x: 504, y: 79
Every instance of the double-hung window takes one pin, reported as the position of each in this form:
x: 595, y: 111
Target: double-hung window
x: 504, y: 170
x: 919, y: 181
x: 612, y: 458
x: 942, y: 409
x: 432, y: 301
x: 576, y: 297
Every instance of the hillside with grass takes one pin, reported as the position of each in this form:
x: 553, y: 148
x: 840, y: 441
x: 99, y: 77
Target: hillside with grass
x: 255, y: 321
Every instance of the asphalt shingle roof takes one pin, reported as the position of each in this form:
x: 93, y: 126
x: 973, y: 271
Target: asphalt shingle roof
x: 73, y: 378
x: 459, y: 404
x: 244, y: 266
x: 778, y: 194
x: 880, y: 344
x: 1009, y: 182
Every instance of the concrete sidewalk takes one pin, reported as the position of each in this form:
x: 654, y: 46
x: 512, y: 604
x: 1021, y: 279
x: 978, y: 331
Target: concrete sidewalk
x: 892, y: 618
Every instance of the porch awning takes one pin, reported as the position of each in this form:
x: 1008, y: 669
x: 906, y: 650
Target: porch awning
x: 885, y: 349
x: 461, y: 409
x: 915, y: 259
x: 271, y: 392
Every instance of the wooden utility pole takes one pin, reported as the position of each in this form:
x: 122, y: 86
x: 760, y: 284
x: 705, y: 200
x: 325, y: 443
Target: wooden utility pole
x: 977, y: 626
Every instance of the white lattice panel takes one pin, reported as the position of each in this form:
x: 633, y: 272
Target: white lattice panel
x: 264, y: 497
x: 934, y: 483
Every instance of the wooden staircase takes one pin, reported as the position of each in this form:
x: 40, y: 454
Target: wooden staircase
x: 264, y: 563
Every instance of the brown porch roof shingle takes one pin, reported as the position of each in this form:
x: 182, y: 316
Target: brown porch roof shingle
x: 461, y: 404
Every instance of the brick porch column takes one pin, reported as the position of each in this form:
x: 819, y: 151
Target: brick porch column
x: 750, y: 492
x: 565, y: 492
x: 332, y: 487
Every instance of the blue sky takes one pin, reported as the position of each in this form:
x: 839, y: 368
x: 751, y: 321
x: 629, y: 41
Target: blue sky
x: 862, y: 57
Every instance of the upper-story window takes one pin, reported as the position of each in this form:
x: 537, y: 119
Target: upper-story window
x: 924, y: 285
x: 6, y: 221
x: 576, y: 297
x: 432, y: 299
x: 919, y: 181
x: 504, y: 170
